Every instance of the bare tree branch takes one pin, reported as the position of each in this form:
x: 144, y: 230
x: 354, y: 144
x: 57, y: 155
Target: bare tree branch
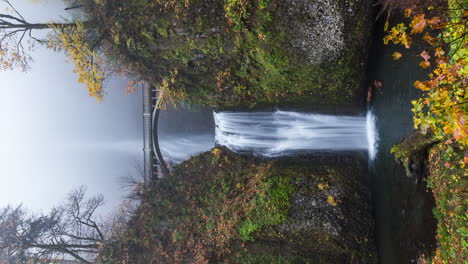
x: 71, y: 229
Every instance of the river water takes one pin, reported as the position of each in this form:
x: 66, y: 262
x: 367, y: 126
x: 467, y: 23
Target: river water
x: 405, y: 226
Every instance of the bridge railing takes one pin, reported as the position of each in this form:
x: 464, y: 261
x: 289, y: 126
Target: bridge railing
x: 154, y: 165
x: 148, y: 157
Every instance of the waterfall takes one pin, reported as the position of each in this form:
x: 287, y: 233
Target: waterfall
x: 179, y: 147
x: 284, y: 133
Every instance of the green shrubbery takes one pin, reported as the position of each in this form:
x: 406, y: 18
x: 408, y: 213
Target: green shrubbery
x: 207, y: 207
x: 219, y: 207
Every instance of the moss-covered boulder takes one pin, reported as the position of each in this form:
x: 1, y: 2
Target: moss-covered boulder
x: 329, y: 218
x: 412, y: 152
x: 242, y: 53
x: 220, y: 207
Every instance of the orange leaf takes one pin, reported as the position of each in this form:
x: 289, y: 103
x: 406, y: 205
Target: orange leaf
x: 421, y: 86
x: 429, y: 39
x: 433, y: 22
x: 425, y: 64
x: 418, y: 24
x: 461, y: 130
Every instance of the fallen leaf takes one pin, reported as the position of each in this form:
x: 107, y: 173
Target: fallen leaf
x: 442, y: 60
x: 425, y: 64
x: 433, y: 22
x: 397, y: 55
x: 429, y: 39
x: 439, y: 52
x: 418, y: 24
x: 408, y: 12
x: 425, y: 55
x: 421, y: 86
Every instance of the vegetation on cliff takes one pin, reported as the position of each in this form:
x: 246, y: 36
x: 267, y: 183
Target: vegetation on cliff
x: 219, y: 207
x: 239, y: 53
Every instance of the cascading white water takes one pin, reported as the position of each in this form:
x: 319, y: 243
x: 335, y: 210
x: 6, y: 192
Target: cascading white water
x: 180, y: 147
x: 283, y: 133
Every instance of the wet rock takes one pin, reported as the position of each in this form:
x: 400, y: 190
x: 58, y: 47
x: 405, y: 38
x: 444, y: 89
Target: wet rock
x: 316, y: 29
x: 321, y: 31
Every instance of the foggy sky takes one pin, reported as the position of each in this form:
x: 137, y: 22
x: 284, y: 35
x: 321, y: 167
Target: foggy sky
x: 55, y: 137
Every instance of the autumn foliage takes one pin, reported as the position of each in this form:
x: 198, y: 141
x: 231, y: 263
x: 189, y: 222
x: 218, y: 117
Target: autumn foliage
x: 87, y: 60
x: 444, y: 108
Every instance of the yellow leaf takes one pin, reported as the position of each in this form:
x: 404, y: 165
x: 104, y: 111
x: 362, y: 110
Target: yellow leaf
x: 397, y: 55
x: 408, y: 12
x: 439, y: 52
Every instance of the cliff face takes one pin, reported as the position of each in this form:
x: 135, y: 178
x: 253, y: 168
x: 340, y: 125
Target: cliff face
x: 329, y: 219
x: 219, y: 207
x: 246, y: 53
x: 241, y: 209
x: 322, y: 31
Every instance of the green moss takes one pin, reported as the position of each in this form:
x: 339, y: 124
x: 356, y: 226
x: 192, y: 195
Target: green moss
x: 271, y: 206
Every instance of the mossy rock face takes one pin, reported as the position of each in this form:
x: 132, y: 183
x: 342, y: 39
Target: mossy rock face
x: 329, y: 220
x: 219, y: 207
x: 245, y: 54
x: 316, y: 29
x: 326, y: 42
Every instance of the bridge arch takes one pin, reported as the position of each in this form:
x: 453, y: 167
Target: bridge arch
x: 154, y: 164
x: 156, y: 148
